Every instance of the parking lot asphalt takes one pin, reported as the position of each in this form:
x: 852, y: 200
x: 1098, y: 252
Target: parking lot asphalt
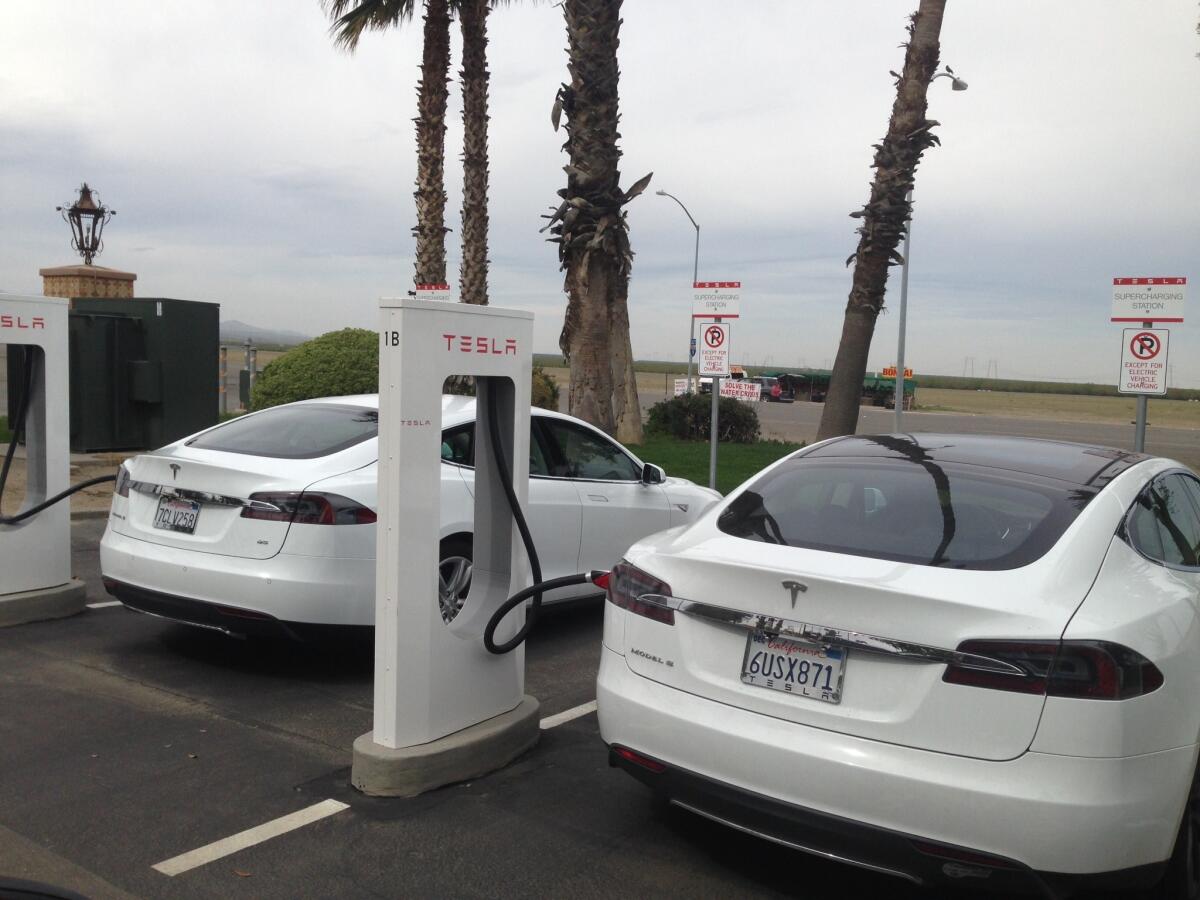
x: 126, y: 741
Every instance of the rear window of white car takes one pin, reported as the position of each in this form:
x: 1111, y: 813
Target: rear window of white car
x: 936, y: 515
x: 293, y: 432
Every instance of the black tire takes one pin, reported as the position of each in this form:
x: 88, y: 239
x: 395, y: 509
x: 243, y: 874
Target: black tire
x: 1182, y: 878
x: 451, y: 553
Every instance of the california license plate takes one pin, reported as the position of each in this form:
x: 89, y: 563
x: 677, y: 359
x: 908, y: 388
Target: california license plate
x: 174, y: 514
x: 794, y: 667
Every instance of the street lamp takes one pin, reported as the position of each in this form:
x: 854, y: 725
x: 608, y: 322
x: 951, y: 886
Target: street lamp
x: 956, y: 84
x: 695, y: 278
x: 87, y: 219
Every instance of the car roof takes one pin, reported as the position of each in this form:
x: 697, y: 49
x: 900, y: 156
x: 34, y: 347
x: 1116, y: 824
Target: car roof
x: 456, y: 408
x: 1082, y: 464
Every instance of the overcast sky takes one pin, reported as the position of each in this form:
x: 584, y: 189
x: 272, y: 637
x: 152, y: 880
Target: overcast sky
x: 253, y: 164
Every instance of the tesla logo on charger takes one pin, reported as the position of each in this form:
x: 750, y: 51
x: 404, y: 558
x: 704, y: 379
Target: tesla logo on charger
x: 465, y: 343
x: 18, y: 322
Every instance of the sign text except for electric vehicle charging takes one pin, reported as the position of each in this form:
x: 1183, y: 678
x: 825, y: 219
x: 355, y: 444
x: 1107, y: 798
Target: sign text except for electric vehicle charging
x: 1148, y: 299
x: 1143, y: 361
x: 749, y: 391
x: 716, y: 300
x: 713, y: 359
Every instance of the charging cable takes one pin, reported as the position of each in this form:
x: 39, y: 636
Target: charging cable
x: 538, y: 587
x: 18, y: 432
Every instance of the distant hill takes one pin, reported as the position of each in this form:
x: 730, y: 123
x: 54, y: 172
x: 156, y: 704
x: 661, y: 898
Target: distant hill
x: 235, y: 332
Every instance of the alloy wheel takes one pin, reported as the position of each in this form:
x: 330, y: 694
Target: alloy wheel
x: 454, y: 581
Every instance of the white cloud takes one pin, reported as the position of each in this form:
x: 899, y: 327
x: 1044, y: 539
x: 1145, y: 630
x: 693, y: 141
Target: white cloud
x: 274, y: 173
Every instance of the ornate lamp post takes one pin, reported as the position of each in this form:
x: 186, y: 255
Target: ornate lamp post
x: 87, y: 219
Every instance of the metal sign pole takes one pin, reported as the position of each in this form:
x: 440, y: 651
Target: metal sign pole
x: 712, y: 451
x: 1139, y: 427
x: 691, y: 354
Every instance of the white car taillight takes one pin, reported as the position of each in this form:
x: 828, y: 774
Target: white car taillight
x: 1093, y: 670
x: 307, y: 508
x: 628, y: 584
x: 123, y: 480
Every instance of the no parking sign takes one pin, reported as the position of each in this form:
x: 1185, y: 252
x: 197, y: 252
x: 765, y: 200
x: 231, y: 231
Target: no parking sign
x: 1143, y: 361
x: 714, y: 350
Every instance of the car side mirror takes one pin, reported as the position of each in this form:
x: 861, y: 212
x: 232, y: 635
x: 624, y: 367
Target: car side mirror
x: 652, y: 474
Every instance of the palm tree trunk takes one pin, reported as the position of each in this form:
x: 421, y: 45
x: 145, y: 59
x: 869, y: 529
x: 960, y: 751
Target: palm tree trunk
x: 627, y: 410
x: 592, y: 232
x: 432, y: 95
x: 884, y: 218
x: 473, y: 276
x: 589, y: 285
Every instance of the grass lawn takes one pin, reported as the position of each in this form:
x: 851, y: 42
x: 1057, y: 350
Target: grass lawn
x: 689, y: 459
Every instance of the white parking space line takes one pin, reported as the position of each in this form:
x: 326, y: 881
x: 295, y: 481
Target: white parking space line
x: 177, y: 865
x: 104, y: 605
x: 568, y: 715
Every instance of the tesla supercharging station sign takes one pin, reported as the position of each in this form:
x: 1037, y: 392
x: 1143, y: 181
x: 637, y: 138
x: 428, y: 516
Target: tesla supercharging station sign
x: 1147, y: 300
x: 35, y: 554
x: 446, y: 709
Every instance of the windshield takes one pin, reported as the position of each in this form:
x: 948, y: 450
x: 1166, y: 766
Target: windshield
x: 293, y: 432
x: 914, y: 511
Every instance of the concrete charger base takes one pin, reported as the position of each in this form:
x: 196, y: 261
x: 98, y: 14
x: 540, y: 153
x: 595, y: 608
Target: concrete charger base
x: 56, y: 602
x: 380, y: 771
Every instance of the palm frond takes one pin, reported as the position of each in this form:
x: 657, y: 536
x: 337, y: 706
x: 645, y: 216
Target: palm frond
x: 352, y: 17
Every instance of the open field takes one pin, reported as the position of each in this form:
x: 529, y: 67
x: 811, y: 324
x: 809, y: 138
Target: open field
x: 653, y: 386
x: 1064, y: 407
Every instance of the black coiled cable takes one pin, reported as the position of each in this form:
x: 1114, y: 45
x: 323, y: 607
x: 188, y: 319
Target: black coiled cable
x: 18, y: 431
x: 538, y: 587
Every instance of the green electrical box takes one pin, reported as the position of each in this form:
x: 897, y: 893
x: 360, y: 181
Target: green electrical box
x: 143, y: 371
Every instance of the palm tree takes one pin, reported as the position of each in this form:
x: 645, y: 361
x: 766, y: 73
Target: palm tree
x: 473, y: 274
x: 590, y: 227
x: 884, y: 217
x: 350, y: 19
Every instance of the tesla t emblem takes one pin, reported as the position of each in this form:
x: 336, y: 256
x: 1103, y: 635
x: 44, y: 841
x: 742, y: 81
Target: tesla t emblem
x: 796, y: 588
x: 175, y: 467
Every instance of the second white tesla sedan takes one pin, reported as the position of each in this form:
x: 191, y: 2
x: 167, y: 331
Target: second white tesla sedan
x: 266, y: 524
x: 950, y: 658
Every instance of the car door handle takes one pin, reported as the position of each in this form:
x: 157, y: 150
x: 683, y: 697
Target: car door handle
x: 599, y: 498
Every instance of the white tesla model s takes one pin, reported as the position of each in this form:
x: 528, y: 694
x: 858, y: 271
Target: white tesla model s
x: 948, y: 658
x: 266, y: 524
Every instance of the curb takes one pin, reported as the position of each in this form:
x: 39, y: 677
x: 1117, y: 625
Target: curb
x: 85, y: 514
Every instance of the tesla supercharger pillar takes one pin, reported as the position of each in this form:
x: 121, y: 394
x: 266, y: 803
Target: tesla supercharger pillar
x: 445, y: 708
x: 35, y: 554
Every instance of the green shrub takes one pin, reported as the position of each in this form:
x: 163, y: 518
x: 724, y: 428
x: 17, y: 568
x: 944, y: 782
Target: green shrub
x: 689, y: 418
x: 347, y: 362
x: 545, y: 390
x: 332, y: 365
